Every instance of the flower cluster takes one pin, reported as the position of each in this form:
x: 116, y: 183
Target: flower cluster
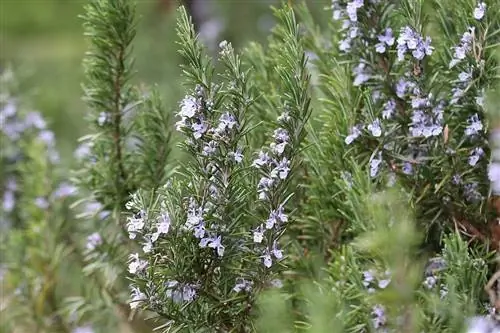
x: 408, y: 107
x: 373, y: 281
x: 409, y: 41
x: 274, y: 167
x: 16, y: 126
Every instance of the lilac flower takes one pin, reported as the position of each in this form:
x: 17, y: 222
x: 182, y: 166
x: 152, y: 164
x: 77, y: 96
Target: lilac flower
x: 387, y: 37
x: 345, y: 44
x: 279, y: 148
x: 282, y: 169
x: 410, y: 40
x: 361, y: 74
x: 345, y: 24
x: 135, y: 224
x: 147, y: 246
x: 9, y: 201
x: 475, y: 125
x: 352, y: 9
x: 456, y: 179
x: 377, y: 95
x: 368, y: 277
x: 354, y: 134
x: 65, y: 190
x: 175, y: 291
x: 136, y: 265
x: 479, y: 11
x: 471, y: 192
x: 83, y: 329
x: 475, y: 155
x: 226, y: 121
x: 263, y: 187
x: 337, y: 14
x: 199, y: 230
x: 353, y: 32
x: 379, y: 319
x: 267, y: 260
x: 102, y: 119
x: 407, y: 168
x: 189, y: 107
x: 199, y: 128
x: 457, y: 94
x: 401, y: 87
x: 242, y: 285
x: 137, y: 297
x: 47, y: 137
x: 262, y: 160
x: 284, y: 117
x: 215, y: 243
x: 277, y: 253
x: 423, y: 125
x: 494, y: 177
x: 383, y: 283
x: 276, y: 216
x: 276, y: 283
x: 281, y: 135
x: 465, y: 76
x: 162, y: 226
x: 374, y: 128
x: 237, y: 155
x: 41, y: 203
x: 209, y: 148
x: 420, y: 102
x: 430, y: 282
x: 389, y: 109
x: 424, y: 48
x: 460, y: 51
x: 83, y: 150
x: 93, y: 241
x: 34, y: 119
x: 258, y: 234
x: 8, y: 110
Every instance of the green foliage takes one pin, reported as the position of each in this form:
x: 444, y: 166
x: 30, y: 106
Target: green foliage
x: 335, y: 179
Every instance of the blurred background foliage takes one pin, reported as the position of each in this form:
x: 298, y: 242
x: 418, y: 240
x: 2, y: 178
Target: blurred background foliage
x: 43, y: 40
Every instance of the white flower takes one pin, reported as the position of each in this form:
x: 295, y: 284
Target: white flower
x: 136, y: 265
x: 137, y: 297
x: 479, y: 11
x: 189, y: 107
x: 162, y: 226
x: 135, y: 224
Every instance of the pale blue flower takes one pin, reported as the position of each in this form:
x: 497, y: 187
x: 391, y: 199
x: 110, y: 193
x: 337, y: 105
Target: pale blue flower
x: 375, y: 128
x: 475, y: 155
x: 94, y: 240
x: 354, y: 134
x: 389, y: 109
x: 189, y: 107
x: 258, y: 234
x: 361, y: 74
x: 479, y: 11
x: 262, y: 160
x: 475, y: 125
